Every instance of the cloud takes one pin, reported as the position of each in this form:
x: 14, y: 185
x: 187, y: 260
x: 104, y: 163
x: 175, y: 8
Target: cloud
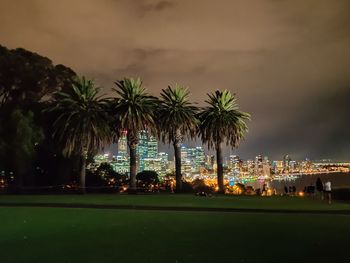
x: 281, y: 58
x: 161, y: 5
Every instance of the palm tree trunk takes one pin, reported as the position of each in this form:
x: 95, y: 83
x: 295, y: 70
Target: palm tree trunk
x: 220, y: 169
x: 83, y: 173
x: 177, y: 153
x: 132, y: 143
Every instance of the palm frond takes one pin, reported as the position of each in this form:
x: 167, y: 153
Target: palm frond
x: 134, y: 108
x: 81, y: 120
x: 222, y: 120
x: 176, y: 114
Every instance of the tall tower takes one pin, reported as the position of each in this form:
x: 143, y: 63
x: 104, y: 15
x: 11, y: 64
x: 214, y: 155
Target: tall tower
x: 286, y: 162
x: 147, y: 148
x: 199, y: 158
x: 152, y: 147
x: 122, y: 145
x: 184, y: 153
x: 142, y: 149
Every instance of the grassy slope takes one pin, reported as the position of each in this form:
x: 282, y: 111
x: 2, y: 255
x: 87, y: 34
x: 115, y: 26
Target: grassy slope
x: 88, y: 235
x: 294, y: 203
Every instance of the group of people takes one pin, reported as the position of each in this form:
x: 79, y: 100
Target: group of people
x: 323, y: 190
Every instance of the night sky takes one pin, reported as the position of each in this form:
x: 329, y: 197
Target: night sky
x: 288, y: 61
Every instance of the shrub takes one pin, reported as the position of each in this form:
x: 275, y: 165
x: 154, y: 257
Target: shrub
x: 200, y: 186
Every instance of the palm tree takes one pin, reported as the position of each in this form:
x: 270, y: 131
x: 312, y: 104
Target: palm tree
x: 177, y: 118
x: 81, y: 123
x: 134, y: 111
x: 219, y: 122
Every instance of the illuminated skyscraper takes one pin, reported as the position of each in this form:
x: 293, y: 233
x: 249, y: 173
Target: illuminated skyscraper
x: 142, y: 149
x: 122, y: 145
x: 164, y: 161
x: 258, y: 164
x: 120, y: 164
x: 286, y: 162
x: 152, y: 147
x: 234, y: 161
x: 199, y: 158
x: 147, y: 148
x: 192, y: 157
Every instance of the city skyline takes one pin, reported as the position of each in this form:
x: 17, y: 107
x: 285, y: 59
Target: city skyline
x: 112, y: 150
x: 288, y: 62
x: 195, y: 160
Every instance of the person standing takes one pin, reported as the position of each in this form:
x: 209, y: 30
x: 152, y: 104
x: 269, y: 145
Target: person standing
x: 319, y: 187
x: 328, y: 191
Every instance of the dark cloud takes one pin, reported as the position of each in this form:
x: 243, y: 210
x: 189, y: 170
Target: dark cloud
x: 161, y: 5
x: 320, y: 122
x: 287, y: 61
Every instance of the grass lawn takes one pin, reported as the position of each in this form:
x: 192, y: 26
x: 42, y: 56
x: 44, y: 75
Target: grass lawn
x: 34, y: 234
x: 244, y: 202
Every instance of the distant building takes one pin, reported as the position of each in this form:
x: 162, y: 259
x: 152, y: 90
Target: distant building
x: 122, y: 145
x: 164, y: 162
x: 147, y: 148
x: 120, y: 164
x: 286, y: 163
x: 209, y: 162
x: 142, y: 150
x: 258, y: 164
x: 198, y: 159
x: 152, y: 147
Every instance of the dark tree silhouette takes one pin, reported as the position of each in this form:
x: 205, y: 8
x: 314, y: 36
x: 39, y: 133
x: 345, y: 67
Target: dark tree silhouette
x: 134, y: 111
x: 221, y: 121
x: 81, y: 124
x: 176, y: 119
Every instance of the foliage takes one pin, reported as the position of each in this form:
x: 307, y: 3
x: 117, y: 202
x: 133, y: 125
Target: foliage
x: 27, y: 78
x: 27, y: 81
x: 148, y: 177
x: 176, y: 114
x: 133, y: 110
x: 134, y: 107
x: 103, y: 176
x: 81, y: 122
x: 176, y: 118
x: 18, y: 142
x: 187, y: 187
x: 222, y: 120
x: 200, y: 186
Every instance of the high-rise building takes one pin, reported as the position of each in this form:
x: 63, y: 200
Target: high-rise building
x: 152, y: 147
x: 258, y: 164
x: 122, y: 145
x: 142, y: 150
x: 101, y: 158
x: 147, y: 148
x: 120, y: 164
x: 286, y: 162
x: 234, y: 161
x: 164, y: 161
x: 184, y: 153
x: 153, y: 164
x: 193, y: 157
x: 199, y: 158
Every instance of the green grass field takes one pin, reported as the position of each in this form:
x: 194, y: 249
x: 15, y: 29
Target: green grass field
x: 34, y: 234
x: 168, y: 200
